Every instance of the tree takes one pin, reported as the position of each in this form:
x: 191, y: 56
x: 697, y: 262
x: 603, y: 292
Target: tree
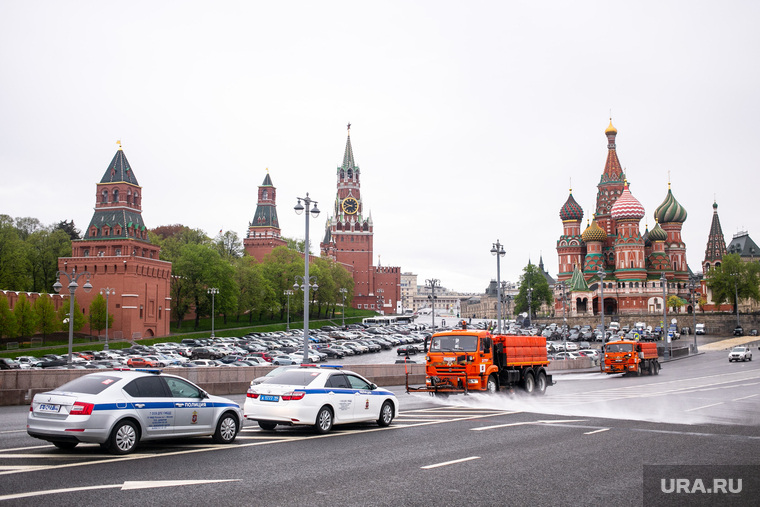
x: 44, y: 247
x: 13, y: 259
x: 702, y: 302
x: 63, y: 315
x: 533, y: 278
x: 27, y: 226
x: 69, y: 228
x: 734, y: 278
x: 674, y: 302
x: 229, y: 245
x: 47, y: 320
x: 294, y: 244
x: 7, y: 319
x: 26, y: 320
x: 99, y: 316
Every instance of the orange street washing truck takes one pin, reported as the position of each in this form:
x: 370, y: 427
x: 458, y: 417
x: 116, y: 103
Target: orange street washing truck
x: 632, y: 357
x: 465, y: 360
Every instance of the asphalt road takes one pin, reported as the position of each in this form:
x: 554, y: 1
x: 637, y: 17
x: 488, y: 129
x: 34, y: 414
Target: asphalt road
x: 584, y: 443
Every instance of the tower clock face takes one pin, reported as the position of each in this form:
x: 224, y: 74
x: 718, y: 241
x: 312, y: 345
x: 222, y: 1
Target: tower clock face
x: 350, y: 205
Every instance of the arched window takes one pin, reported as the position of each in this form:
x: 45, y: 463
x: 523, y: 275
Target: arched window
x: 342, y: 174
x: 350, y: 174
x: 137, y: 199
x: 115, y: 195
x: 105, y: 196
x: 264, y: 194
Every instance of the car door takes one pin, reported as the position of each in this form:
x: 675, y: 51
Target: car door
x: 340, y: 396
x: 153, y: 406
x: 366, y: 405
x: 194, y: 414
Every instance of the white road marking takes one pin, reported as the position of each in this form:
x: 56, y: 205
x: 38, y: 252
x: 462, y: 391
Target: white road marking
x: 12, y: 431
x: 525, y: 423
x: 703, y: 406
x: 446, y: 463
x: 597, y: 431
x: 744, y: 397
x: 128, y: 485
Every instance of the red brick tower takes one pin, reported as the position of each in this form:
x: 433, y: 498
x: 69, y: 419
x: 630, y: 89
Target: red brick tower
x: 116, y: 252
x: 610, y: 187
x: 264, y: 230
x: 348, y: 240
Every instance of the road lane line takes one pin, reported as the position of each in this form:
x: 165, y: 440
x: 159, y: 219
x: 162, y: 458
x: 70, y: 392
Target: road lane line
x: 744, y: 397
x: 703, y: 406
x: 446, y: 463
x: 597, y: 431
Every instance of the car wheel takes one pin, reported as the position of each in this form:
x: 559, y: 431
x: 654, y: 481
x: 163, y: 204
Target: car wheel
x: 324, y: 420
x: 226, y: 429
x: 529, y: 383
x: 65, y: 445
x: 541, y: 384
x: 491, y: 385
x: 386, y: 414
x: 124, y: 438
x: 267, y: 426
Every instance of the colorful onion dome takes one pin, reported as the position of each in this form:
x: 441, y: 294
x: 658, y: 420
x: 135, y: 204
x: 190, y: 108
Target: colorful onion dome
x: 594, y: 233
x: 658, y: 234
x: 611, y: 129
x: 670, y: 210
x: 627, y: 207
x: 571, y: 210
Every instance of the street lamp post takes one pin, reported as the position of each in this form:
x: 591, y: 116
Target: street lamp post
x: 432, y: 283
x: 288, y: 293
x: 213, y: 291
x: 108, y: 292
x: 564, y: 311
x: 343, y: 291
x: 602, y: 274
x: 72, y: 277
x: 508, y: 299
x: 306, y: 281
x: 306, y: 284
x: 380, y: 301
x: 693, y: 290
x: 498, y: 251
x: 530, y: 306
x: 664, y: 282
x: 736, y: 298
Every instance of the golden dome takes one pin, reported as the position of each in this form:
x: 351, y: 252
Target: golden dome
x: 611, y: 129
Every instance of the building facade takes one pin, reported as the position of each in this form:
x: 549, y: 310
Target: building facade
x: 117, y: 254
x: 348, y: 240
x: 633, y: 263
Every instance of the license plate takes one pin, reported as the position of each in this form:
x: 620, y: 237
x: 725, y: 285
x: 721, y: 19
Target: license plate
x: 268, y: 397
x: 48, y: 408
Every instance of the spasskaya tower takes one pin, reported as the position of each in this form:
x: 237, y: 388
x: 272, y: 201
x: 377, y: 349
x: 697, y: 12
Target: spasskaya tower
x: 349, y: 241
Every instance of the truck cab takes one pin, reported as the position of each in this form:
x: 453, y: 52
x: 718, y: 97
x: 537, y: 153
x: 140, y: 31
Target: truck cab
x: 633, y: 357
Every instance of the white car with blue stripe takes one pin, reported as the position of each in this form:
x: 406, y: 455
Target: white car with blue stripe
x: 320, y: 397
x: 118, y: 409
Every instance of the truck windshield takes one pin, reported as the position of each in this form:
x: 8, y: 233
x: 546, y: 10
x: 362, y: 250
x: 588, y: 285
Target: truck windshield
x: 454, y: 342
x: 620, y: 347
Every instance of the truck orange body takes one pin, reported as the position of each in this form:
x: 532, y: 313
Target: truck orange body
x: 464, y: 360
x: 632, y: 357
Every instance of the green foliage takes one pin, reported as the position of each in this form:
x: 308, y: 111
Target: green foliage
x: 674, y: 302
x: 7, y: 319
x: 26, y: 320
x: 63, y: 315
x: 532, y: 278
x: 13, y: 259
x: 99, y: 317
x: 47, y: 320
x: 228, y: 245
x: 734, y: 278
x: 44, y: 247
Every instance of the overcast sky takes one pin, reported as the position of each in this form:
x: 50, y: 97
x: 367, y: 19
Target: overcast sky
x: 469, y: 119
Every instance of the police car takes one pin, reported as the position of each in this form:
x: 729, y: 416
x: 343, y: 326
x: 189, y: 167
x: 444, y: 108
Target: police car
x: 118, y: 409
x: 318, y: 396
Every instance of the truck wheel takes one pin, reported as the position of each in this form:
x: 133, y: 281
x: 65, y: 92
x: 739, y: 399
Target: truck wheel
x: 651, y: 368
x: 541, y: 384
x: 656, y: 368
x: 529, y: 383
x: 492, y: 386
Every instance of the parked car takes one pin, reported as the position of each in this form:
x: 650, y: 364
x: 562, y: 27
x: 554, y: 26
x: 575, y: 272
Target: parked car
x: 740, y: 354
x: 738, y: 331
x: 9, y: 364
x: 118, y: 409
x: 700, y: 329
x: 411, y: 349
x: 319, y: 397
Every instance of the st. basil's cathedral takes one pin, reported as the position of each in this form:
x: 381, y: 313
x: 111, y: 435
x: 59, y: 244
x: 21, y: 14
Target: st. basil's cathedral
x: 633, y: 264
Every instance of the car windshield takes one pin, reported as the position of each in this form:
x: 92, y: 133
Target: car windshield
x: 619, y: 347
x: 89, y: 384
x: 294, y: 377
x: 738, y: 349
x: 454, y: 342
